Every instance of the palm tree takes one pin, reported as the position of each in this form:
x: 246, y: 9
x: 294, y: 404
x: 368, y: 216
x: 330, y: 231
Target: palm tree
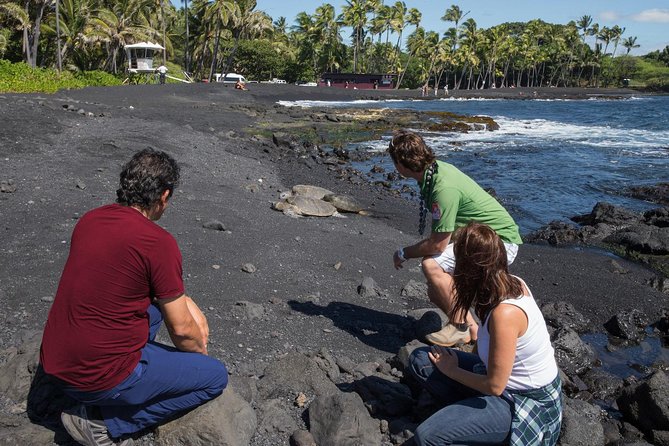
x: 219, y: 14
x: 246, y: 23
x: 125, y: 22
x: 617, y: 33
x: 354, y: 14
x: 630, y: 43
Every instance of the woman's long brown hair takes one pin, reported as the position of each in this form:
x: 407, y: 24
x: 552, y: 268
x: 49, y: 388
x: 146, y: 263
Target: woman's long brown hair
x: 481, y: 274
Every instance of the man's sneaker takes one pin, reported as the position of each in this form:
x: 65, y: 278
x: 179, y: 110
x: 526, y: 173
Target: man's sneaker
x: 86, y: 431
x: 449, y: 336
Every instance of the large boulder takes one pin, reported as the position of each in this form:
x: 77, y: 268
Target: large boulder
x: 646, y: 404
x: 21, y: 364
x: 628, y: 324
x: 581, y: 424
x: 561, y: 314
x: 227, y: 421
x: 341, y: 419
x: 294, y: 374
x: 609, y: 214
x: 642, y: 238
x: 572, y: 354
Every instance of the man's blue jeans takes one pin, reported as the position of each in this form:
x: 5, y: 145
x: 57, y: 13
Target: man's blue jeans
x: 469, y: 417
x: 165, y: 384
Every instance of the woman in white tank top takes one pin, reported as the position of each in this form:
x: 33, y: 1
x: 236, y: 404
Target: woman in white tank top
x: 509, y: 393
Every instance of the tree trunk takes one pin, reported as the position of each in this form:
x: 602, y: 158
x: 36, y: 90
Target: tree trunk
x: 213, y: 58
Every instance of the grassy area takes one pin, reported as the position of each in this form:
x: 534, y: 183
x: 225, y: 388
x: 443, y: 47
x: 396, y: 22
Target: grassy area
x: 650, y: 75
x: 21, y: 78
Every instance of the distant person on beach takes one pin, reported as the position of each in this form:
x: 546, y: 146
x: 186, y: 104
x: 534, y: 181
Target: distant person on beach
x: 453, y: 200
x: 239, y: 85
x: 446, y: 90
x: 162, y: 73
x: 510, y: 391
x: 123, y: 277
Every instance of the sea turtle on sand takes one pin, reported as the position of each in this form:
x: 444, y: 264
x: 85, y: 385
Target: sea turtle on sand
x: 301, y: 205
x: 307, y: 190
x: 343, y: 203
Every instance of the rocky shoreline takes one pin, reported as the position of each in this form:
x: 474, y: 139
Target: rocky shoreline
x: 308, y: 313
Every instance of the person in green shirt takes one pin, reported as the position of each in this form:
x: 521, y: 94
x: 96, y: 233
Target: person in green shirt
x: 453, y: 200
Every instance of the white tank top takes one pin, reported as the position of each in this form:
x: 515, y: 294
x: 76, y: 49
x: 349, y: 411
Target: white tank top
x: 534, y: 365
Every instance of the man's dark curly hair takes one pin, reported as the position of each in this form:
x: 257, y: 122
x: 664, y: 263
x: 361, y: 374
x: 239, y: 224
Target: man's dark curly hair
x: 409, y: 149
x: 145, y: 177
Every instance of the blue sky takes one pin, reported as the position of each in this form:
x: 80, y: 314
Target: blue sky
x: 648, y: 20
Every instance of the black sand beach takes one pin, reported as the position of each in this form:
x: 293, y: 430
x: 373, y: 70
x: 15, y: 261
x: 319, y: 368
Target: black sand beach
x: 303, y: 292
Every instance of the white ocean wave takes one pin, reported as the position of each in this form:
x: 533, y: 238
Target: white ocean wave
x: 539, y: 132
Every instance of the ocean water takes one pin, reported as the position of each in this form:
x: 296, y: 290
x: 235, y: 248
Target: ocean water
x: 550, y: 159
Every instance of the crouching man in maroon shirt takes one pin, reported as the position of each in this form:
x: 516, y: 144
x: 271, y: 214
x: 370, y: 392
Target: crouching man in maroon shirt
x: 123, y: 277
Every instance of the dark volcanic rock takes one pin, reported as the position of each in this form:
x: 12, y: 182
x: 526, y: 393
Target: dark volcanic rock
x: 572, y: 354
x: 629, y: 325
x: 658, y: 193
x: 581, y: 424
x: 642, y: 238
x: 607, y: 213
x: 563, y: 314
x: 646, y: 404
x: 340, y: 419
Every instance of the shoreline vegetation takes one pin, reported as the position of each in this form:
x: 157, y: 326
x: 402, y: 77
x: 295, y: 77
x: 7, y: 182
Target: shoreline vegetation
x: 223, y: 36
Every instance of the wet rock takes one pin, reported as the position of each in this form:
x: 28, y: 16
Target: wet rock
x: 572, y: 354
x: 414, y: 289
x: 342, y: 418
x: 369, y: 288
x: 563, y: 315
x: 657, y: 217
x: 604, y: 212
x: 581, y: 424
x: 658, y: 193
x: 629, y: 325
x: 556, y: 233
x: 214, y: 224
x: 227, y: 420
x: 603, y: 385
x: 646, y: 404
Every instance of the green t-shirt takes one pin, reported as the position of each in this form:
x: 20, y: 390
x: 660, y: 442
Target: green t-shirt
x: 456, y: 200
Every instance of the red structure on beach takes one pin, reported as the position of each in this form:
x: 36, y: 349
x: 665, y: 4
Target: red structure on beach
x: 363, y: 81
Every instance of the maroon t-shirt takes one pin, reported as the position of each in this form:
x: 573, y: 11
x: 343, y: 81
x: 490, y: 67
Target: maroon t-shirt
x: 119, y: 260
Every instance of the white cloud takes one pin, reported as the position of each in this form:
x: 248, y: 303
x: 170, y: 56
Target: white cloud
x: 609, y: 16
x: 652, y: 15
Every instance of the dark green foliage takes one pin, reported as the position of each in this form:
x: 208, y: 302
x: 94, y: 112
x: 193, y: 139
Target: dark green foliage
x: 659, y: 56
x: 20, y: 78
x: 258, y: 60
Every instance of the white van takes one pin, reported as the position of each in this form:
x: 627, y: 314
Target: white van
x: 229, y: 78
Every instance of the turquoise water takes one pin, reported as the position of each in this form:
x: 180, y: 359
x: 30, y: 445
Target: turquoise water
x: 550, y: 159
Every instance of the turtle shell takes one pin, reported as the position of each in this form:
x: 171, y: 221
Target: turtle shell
x: 343, y: 203
x: 307, y: 190
x: 311, y: 206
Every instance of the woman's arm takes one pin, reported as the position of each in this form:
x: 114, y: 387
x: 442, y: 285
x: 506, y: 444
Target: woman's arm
x: 507, y: 323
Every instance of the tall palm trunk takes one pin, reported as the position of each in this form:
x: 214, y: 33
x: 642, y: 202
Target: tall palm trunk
x: 213, y: 57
